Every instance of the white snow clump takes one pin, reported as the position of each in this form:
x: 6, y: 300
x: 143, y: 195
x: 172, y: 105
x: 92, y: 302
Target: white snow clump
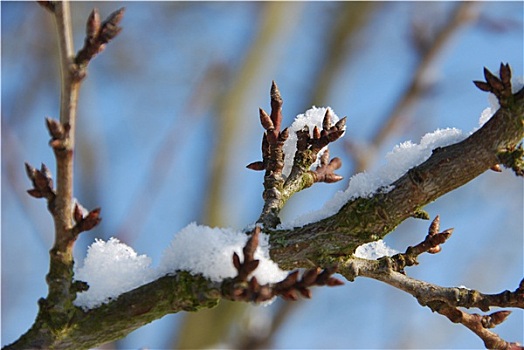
x: 374, y: 250
x: 112, y: 268
x: 313, y: 117
x: 209, y: 251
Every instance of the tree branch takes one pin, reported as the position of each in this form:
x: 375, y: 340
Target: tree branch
x: 60, y: 324
x: 443, y: 300
x: 363, y: 220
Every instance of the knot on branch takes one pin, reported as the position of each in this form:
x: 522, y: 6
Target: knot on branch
x: 98, y: 34
x: 499, y: 86
x: 431, y: 245
x: 243, y: 288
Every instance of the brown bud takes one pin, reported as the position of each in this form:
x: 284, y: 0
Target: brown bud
x: 482, y: 85
x: 496, y: 318
x: 110, y: 28
x: 335, y: 163
x: 265, y: 120
x: 306, y: 293
x: 35, y: 193
x: 56, y: 130
x: 93, y: 25
x: 290, y: 280
x: 250, y: 266
x: 310, y: 276
x: 335, y: 135
x: 30, y: 171
x: 284, y: 134
x: 496, y: 168
x: 492, y: 80
x: 41, y: 181
x: 332, y: 178
x: 333, y: 282
x: 326, y: 122
x: 90, y: 221
x: 341, y: 123
x: 251, y: 245
x: 257, y: 166
x: 77, y: 213
x: 275, y: 95
x: 316, y: 133
x: 435, y: 249
x: 505, y: 74
x: 236, y: 261
x: 435, y: 226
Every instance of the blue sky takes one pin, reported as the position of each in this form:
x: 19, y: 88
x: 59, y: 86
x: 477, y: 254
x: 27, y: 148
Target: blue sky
x: 142, y: 90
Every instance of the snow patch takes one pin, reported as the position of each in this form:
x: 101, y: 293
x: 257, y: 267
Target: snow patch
x: 313, y: 117
x: 111, y: 268
x: 209, y: 251
x: 374, y: 250
x: 402, y: 158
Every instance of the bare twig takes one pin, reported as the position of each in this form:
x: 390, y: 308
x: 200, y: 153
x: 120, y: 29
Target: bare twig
x: 442, y: 299
x: 57, y: 309
x: 431, y: 244
x: 479, y: 325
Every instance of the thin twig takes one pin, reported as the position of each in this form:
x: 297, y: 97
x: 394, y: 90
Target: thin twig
x: 443, y: 300
x: 68, y: 103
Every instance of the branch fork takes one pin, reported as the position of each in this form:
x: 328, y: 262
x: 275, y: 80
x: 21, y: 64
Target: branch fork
x: 278, y: 188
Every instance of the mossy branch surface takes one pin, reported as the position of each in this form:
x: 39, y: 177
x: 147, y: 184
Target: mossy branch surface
x: 363, y: 220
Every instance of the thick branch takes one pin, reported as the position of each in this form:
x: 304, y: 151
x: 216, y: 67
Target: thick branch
x: 131, y: 310
x: 362, y: 220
